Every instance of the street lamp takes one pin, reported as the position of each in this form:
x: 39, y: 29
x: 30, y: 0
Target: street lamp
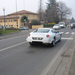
x: 16, y: 13
x: 4, y: 18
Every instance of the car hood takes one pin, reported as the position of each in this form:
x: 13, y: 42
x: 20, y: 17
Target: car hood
x: 56, y: 26
x: 61, y: 25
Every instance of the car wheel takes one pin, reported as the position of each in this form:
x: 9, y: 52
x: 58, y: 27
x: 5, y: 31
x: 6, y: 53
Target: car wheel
x: 31, y: 44
x: 60, y: 38
x: 53, y: 43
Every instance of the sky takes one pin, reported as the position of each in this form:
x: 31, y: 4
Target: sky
x: 30, y: 5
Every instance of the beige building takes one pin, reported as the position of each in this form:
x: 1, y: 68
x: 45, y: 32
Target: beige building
x: 11, y: 20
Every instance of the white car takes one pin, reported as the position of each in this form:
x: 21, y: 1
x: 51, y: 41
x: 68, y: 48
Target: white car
x: 56, y: 26
x: 62, y: 25
x: 45, y: 36
x: 23, y: 28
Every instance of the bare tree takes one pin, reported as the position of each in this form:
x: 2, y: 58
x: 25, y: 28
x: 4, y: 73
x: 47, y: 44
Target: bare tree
x: 64, y: 11
x: 40, y: 10
x: 52, y: 11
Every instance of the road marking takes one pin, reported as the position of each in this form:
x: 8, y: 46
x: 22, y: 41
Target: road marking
x: 67, y: 33
x: 67, y: 38
x: 62, y: 32
x: 12, y: 46
x: 53, y: 60
x: 26, y: 42
x: 73, y: 33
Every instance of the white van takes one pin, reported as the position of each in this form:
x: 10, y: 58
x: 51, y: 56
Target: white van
x: 62, y: 24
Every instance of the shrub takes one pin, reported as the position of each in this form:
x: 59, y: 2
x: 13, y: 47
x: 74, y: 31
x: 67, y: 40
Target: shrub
x: 49, y: 24
x: 35, y: 22
x: 11, y: 28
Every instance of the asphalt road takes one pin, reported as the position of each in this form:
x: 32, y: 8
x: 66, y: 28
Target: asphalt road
x: 17, y: 57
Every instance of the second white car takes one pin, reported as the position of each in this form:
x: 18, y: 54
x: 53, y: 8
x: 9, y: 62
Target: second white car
x: 56, y: 26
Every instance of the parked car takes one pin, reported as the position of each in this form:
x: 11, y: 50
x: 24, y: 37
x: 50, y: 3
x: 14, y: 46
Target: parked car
x: 56, y: 26
x: 0, y: 27
x: 47, y: 36
x: 23, y: 28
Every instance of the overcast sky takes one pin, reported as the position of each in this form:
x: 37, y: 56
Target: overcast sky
x: 30, y: 5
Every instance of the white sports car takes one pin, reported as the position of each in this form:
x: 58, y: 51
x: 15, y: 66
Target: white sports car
x: 45, y: 36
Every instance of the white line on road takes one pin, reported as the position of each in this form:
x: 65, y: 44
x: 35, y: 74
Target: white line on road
x: 62, y: 32
x: 73, y: 33
x: 25, y: 42
x: 67, y: 33
x: 12, y: 46
x: 67, y: 38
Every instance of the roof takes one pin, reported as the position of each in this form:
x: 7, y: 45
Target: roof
x: 8, y: 17
x: 22, y: 12
x: 18, y: 13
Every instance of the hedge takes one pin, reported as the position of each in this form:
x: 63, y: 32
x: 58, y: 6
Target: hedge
x: 51, y: 25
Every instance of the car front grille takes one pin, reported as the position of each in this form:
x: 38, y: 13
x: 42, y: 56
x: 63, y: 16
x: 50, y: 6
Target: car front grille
x: 37, y: 38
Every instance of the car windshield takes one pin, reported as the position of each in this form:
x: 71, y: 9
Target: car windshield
x: 56, y: 25
x: 42, y: 30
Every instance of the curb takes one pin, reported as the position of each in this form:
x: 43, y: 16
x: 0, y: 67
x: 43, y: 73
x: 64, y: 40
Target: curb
x: 5, y: 36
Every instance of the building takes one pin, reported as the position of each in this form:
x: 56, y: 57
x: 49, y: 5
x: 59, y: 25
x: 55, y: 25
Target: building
x: 14, y: 19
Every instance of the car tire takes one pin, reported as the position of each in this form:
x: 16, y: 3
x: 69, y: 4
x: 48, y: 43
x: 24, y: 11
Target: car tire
x: 53, y: 43
x: 60, y: 38
x: 31, y: 44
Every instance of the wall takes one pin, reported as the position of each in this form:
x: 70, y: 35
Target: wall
x: 9, y: 22
x: 37, y: 26
x: 30, y: 17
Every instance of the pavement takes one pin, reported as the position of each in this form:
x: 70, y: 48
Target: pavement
x: 67, y: 64
x: 22, y: 32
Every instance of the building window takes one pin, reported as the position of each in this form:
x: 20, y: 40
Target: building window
x: 33, y: 15
x: 10, y: 26
x: 5, y: 20
x: 9, y: 21
x: 15, y: 20
x: 0, y: 21
x: 12, y: 20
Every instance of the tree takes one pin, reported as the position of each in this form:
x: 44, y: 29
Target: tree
x: 72, y: 20
x: 40, y: 10
x: 52, y: 11
x: 35, y: 22
x: 64, y: 11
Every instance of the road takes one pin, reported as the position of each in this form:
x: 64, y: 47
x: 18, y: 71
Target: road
x: 17, y: 57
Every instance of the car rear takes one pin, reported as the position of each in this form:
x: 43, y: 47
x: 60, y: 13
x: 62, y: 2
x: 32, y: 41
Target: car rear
x: 39, y: 38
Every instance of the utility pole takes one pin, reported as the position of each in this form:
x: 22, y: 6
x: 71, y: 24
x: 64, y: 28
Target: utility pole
x: 40, y: 9
x: 4, y: 19
x: 16, y: 15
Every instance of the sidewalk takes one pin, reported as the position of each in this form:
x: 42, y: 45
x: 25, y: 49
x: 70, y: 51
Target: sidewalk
x: 67, y: 64
x: 23, y: 32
